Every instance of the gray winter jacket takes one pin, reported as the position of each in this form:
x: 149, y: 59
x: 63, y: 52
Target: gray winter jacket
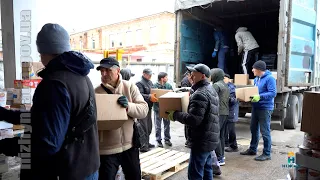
x: 245, y: 40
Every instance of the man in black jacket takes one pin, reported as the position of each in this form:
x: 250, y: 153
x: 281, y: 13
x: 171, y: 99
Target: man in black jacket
x: 64, y: 137
x: 202, y: 118
x: 145, y: 86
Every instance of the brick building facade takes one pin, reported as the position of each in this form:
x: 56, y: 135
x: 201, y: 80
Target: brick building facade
x: 149, y: 34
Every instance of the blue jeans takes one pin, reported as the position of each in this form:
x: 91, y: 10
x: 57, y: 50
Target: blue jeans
x: 166, y: 125
x: 200, y: 166
x: 260, y: 119
x: 222, y: 64
x: 93, y: 176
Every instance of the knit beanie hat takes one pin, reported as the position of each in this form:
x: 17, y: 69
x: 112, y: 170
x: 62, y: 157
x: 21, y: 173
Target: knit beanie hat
x: 53, y: 39
x: 260, y: 65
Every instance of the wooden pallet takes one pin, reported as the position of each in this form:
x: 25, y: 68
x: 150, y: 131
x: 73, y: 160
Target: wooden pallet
x: 162, y: 163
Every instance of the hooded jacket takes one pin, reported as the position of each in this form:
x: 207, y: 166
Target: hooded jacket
x: 217, y: 76
x: 267, y: 91
x: 119, y: 140
x: 59, y: 103
x: 245, y: 40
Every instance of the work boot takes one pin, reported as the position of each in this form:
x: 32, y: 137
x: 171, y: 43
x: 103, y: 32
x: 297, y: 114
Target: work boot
x: 262, y: 157
x: 160, y: 144
x: 230, y: 149
x: 248, y: 152
x: 151, y: 145
x: 168, y: 143
x: 216, y: 170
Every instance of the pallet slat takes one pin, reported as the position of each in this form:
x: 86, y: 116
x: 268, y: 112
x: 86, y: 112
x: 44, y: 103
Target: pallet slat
x: 162, y: 163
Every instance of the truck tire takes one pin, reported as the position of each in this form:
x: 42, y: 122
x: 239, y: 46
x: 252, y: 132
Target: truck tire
x: 292, y: 118
x: 242, y: 114
x: 300, y: 102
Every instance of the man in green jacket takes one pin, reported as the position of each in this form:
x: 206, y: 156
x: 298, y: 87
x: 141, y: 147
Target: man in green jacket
x: 217, y: 77
x: 162, y: 84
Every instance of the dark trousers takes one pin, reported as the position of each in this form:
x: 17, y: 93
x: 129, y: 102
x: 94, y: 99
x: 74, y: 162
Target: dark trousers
x: 260, y: 121
x: 248, y: 59
x: 166, y: 125
x: 147, y: 125
x: 200, y: 166
x: 230, y: 135
x: 223, y: 125
x: 129, y: 161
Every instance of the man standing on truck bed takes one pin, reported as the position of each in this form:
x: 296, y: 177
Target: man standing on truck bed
x: 262, y: 107
x: 249, y: 48
x: 221, y: 47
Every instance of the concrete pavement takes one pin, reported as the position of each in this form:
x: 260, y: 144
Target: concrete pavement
x: 240, y: 167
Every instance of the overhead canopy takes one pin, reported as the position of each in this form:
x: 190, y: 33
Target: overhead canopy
x: 186, y: 4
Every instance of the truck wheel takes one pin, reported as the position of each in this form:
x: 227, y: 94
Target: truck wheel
x: 242, y: 114
x: 292, y: 118
x: 300, y: 102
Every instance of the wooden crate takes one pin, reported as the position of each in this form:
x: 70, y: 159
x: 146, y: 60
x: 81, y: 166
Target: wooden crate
x: 162, y: 163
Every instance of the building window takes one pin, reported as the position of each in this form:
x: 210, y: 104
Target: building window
x: 139, y: 37
x: 93, y: 44
x: 153, y: 35
x: 129, y: 38
x: 112, y: 40
x: 120, y: 39
x: 139, y: 60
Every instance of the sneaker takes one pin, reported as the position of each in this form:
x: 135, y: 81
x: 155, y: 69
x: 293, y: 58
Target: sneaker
x: 248, y: 152
x: 151, y: 145
x: 262, y: 157
x: 144, y: 149
x: 222, y: 162
x: 168, y: 143
x: 230, y: 149
x: 216, y: 170
x: 160, y: 144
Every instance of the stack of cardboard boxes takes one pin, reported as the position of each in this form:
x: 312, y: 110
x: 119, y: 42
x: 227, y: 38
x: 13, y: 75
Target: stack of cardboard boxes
x: 245, y: 93
x: 308, y: 157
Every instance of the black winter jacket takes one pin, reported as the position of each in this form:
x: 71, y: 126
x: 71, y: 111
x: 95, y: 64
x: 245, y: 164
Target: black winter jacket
x: 202, y: 117
x: 145, y: 87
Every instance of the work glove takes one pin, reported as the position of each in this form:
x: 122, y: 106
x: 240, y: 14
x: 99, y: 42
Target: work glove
x: 214, y: 54
x: 153, y: 98
x: 123, y: 101
x: 170, y: 115
x: 255, y: 98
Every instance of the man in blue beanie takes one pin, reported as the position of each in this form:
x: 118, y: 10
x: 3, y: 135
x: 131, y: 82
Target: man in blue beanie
x: 262, y: 108
x: 64, y: 136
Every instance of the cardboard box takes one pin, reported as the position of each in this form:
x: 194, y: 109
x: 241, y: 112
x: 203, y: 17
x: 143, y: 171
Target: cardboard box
x: 244, y: 94
x: 32, y: 83
x: 251, y: 82
x: 23, y: 96
x: 110, y: 114
x: 241, y: 79
x: 307, y: 161
x: 30, y: 70
x: 310, y: 122
x: 173, y: 101
x: 160, y: 92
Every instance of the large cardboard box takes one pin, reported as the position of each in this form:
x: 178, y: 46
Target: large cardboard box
x: 110, y: 114
x: 30, y: 70
x: 244, y: 94
x: 241, y: 79
x: 173, y: 101
x: 251, y: 82
x: 160, y: 92
x: 23, y: 96
x: 310, y: 122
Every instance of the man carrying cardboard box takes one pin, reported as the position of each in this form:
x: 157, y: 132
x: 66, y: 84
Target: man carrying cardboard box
x: 116, y: 146
x: 145, y: 86
x: 162, y: 84
x: 262, y: 107
x: 203, y: 121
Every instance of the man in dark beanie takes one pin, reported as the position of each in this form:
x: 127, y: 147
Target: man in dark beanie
x: 262, y: 108
x: 64, y: 136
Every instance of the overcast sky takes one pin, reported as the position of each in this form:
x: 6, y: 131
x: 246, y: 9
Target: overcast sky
x: 81, y: 15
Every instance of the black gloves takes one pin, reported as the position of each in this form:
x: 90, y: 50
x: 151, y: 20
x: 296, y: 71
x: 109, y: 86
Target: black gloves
x: 123, y: 101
